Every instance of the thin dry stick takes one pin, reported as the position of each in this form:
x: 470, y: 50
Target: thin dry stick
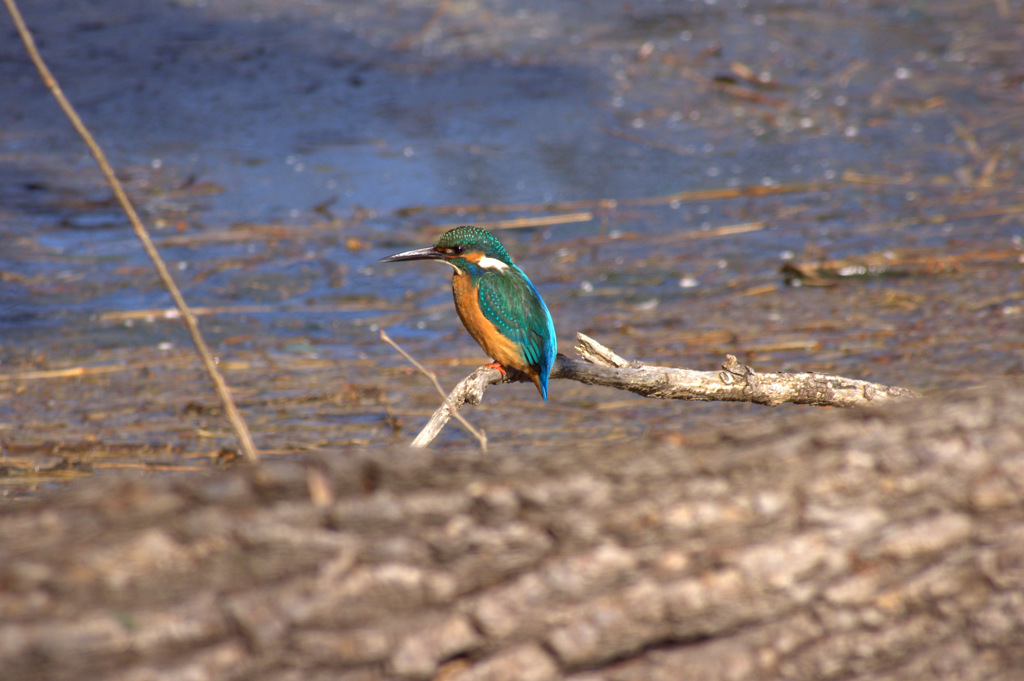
x: 480, y: 436
x: 70, y: 372
x: 237, y: 423
x: 608, y: 204
x: 410, y: 40
x: 539, y: 221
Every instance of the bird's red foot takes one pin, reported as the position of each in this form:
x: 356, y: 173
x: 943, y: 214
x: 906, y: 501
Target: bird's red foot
x: 496, y: 365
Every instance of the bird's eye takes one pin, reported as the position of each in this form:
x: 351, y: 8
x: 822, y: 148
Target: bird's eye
x: 458, y: 250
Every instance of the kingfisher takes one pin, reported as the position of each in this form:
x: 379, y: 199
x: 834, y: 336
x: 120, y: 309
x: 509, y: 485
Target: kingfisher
x: 496, y: 301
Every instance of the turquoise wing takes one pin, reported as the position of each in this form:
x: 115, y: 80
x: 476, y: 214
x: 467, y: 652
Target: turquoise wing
x: 510, y: 301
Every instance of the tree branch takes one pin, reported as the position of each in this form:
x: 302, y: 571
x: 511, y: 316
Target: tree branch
x: 735, y: 382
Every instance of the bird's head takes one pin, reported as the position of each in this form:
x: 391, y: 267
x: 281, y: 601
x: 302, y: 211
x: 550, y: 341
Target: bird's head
x: 466, y: 249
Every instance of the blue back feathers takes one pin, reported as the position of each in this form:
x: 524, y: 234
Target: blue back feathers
x: 510, y: 301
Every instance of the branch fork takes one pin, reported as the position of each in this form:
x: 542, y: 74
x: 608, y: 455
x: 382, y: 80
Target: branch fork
x: 735, y: 382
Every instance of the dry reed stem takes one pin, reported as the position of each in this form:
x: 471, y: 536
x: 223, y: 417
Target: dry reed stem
x: 418, y: 35
x: 153, y: 314
x: 234, y: 417
x: 539, y: 221
x: 70, y: 372
x: 607, y: 204
x: 452, y: 410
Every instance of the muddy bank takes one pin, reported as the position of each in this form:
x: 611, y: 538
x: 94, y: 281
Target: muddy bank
x: 836, y: 545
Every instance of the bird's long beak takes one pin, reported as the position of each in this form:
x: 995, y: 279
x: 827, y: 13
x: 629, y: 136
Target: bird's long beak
x: 427, y: 253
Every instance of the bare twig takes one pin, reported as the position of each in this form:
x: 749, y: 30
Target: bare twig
x: 735, y: 382
x: 155, y: 314
x: 538, y: 221
x: 448, y: 407
x: 70, y: 372
x: 237, y: 423
x: 608, y: 204
x: 418, y: 35
x: 735, y: 90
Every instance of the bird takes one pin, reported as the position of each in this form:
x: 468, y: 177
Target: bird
x: 496, y: 301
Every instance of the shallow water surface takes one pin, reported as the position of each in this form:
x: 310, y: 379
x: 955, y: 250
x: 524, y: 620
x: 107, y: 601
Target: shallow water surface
x: 653, y: 164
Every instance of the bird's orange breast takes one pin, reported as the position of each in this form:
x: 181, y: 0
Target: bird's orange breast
x: 467, y: 303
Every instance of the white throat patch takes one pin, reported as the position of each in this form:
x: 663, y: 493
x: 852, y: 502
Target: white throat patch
x: 489, y: 263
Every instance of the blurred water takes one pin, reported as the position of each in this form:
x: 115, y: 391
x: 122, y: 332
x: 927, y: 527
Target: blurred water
x: 274, y: 145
